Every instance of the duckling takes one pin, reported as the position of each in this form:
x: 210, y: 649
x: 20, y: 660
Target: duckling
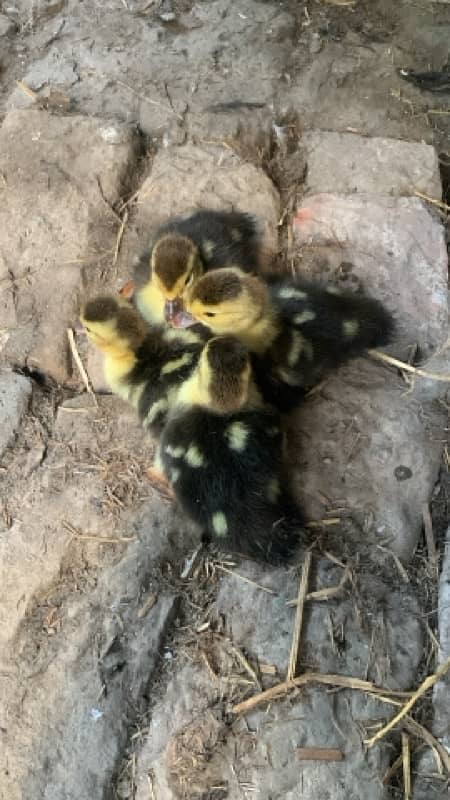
x: 221, y: 450
x: 186, y: 247
x: 297, y: 331
x: 145, y: 365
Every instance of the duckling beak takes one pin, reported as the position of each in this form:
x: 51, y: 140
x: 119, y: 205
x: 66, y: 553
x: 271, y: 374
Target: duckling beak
x: 184, y: 320
x: 175, y: 314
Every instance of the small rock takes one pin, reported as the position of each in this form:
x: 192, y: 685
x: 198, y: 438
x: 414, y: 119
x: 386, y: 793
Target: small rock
x: 7, y: 26
x: 15, y: 392
x: 315, y: 45
x: 168, y: 16
x: 112, y: 134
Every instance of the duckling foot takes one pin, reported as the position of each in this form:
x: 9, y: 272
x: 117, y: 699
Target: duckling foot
x: 160, y: 483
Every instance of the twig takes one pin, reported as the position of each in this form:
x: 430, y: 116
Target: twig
x: 323, y: 523
x: 146, y: 99
x: 130, y: 200
x: 334, y: 559
x: 425, y: 685
x: 390, y: 772
x: 428, y: 528
x: 92, y: 538
x: 416, y: 729
x: 395, y: 362
x: 439, y: 750
x: 244, y: 663
x: 406, y: 760
x: 28, y: 91
x: 120, y: 236
x: 319, y: 754
x: 303, y: 588
x: 328, y: 591
x: 403, y: 573
x: 247, y: 580
x: 433, y: 201
x: 148, y: 604
x: 79, y: 363
x: 281, y: 689
x: 106, y: 201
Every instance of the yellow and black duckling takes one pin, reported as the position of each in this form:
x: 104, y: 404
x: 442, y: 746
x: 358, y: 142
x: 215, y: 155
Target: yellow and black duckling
x: 221, y: 450
x: 144, y: 365
x: 297, y: 331
x: 186, y: 247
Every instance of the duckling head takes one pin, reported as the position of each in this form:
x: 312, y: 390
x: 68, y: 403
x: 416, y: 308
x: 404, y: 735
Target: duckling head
x: 228, y: 301
x: 224, y: 374
x: 176, y: 265
x: 113, y: 325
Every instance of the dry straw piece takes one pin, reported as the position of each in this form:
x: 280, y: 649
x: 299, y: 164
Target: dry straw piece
x: 319, y: 754
x: 79, y: 363
x: 395, y: 362
x: 299, y: 616
x: 425, y: 685
x: 342, y: 681
x: 406, y: 760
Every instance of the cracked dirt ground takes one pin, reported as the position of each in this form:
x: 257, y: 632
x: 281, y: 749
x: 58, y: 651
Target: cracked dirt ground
x: 123, y: 646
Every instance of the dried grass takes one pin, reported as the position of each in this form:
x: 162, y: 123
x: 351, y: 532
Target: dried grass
x: 403, y: 365
x: 80, y: 366
x: 303, y: 588
x: 425, y: 685
x: 341, y: 681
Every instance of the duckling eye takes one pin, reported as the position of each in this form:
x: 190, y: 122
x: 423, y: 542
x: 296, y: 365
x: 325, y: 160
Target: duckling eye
x: 209, y: 314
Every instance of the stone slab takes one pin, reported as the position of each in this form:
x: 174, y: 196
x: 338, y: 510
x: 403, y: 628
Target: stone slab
x: 15, y: 393
x: 391, y: 246
x: 76, y: 625
x: 368, y: 444
x: 347, y: 163
x: 380, y: 639
x: 183, y: 179
x: 61, y: 174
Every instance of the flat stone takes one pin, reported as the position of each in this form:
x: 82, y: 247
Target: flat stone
x: 380, y: 639
x: 81, y: 621
x: 391, y: 246
x: 93, y: 687
x: 15, y: 393
x: 183, y: 179
x: 346, y: 163
x: 369, y: 445
x: 61, y: 174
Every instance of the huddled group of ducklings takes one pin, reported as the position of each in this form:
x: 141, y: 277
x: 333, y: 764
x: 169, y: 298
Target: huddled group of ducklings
x: 210, y: 354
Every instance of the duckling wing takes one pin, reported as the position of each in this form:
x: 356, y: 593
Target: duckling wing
x: 320, y: 329
x: 166, y: 359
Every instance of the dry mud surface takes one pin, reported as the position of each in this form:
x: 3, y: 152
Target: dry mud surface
x: 125, y: 646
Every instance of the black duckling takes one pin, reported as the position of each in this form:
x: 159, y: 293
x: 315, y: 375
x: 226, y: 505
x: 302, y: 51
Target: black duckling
x: 221, y: 450
x: 186, y: 247
x: 297, y: 331
x: 144, y: 365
